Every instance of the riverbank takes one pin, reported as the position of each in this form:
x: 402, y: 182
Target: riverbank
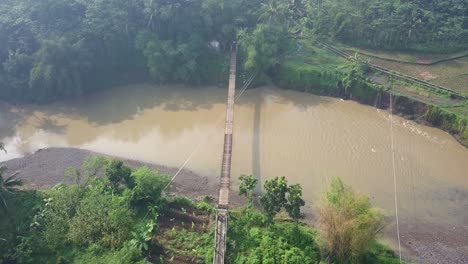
x: 318, y: 71
x: 45, y: 168
x: 424, y: 243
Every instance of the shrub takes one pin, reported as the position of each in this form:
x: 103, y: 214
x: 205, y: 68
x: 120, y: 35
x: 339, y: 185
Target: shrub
x: 103, y: 219
x: 118, y: 174
x: 182, y: 201
x: 59, y: 209
x: 204, y: 206
x: 295, y: 201
x: 348, y: 223
x: 247, y: 186
x: 149, y: 185
x: 275, y: 196
x: 281, y: 242
x: 89, y: 169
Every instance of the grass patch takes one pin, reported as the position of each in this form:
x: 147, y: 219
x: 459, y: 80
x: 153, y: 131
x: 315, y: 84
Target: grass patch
x: 317, y: 58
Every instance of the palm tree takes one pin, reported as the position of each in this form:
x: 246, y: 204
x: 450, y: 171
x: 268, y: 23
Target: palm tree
x: 274, y: 10
x: 7, y: 185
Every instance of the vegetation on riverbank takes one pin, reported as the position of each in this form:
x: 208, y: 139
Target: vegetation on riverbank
x: 318, y: 71
x: 61, y: 54
x: 67, y: 48
x: 107, y: 213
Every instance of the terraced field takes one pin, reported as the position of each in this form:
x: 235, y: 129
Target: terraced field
x: 414, y: 57
x: 451, y: 74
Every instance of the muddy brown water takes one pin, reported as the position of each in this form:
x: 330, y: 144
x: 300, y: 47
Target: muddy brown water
x: 305, y: 137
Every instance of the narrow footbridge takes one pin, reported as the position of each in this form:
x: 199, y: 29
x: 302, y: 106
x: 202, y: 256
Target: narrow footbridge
x: 222, y: 213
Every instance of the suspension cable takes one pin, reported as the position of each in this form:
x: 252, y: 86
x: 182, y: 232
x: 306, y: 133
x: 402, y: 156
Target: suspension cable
x: 203, y: 140
x: 394, y: 176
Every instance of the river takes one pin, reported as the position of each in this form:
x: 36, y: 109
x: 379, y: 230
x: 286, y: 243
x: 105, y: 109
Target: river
x: 306, y: 138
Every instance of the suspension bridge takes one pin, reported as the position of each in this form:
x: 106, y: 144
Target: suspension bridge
x: 222, y: 210
x: 222, y: 213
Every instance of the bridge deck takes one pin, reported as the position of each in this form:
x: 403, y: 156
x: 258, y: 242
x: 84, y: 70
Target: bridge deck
x: 222, y: 213
x: 225, y: 179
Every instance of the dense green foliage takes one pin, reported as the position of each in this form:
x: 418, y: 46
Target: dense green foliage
x: 274, y: 197
x: 320, y: 73
x: 96, y: 219
x: 295, y: 201
x: 280, y: 242
x: 449, y: 121
x: 423, y: 25
x: 77, y: 222
x: 277, y: 196
x: 61, y: 48
x: 255, y: 238
x: 119, y: 175
x: 149, y: 186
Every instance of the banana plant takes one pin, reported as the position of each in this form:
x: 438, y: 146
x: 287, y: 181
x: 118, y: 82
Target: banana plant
x: 7, y: 185
x: 143, y: 236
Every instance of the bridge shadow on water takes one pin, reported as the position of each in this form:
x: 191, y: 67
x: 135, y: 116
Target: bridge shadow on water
x: 256, y: 152
x: 299, y: 100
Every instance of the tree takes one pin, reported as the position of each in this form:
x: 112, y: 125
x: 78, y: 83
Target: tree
x: 274, y: 196
x: 348, y: 223
x: 265, y: 47
x: 275, y: 10
x: 247, y: 186
x: 176, y: 60
x: 149, y: 186
x: 7, y: 185
x: 295, y: 201
x: 59, y: 69
x: 118, y: 174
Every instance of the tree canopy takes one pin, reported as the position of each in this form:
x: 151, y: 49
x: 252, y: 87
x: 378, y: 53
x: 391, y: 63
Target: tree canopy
x: 63, y: 48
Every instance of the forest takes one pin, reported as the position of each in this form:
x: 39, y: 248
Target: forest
x: 53, y: 49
